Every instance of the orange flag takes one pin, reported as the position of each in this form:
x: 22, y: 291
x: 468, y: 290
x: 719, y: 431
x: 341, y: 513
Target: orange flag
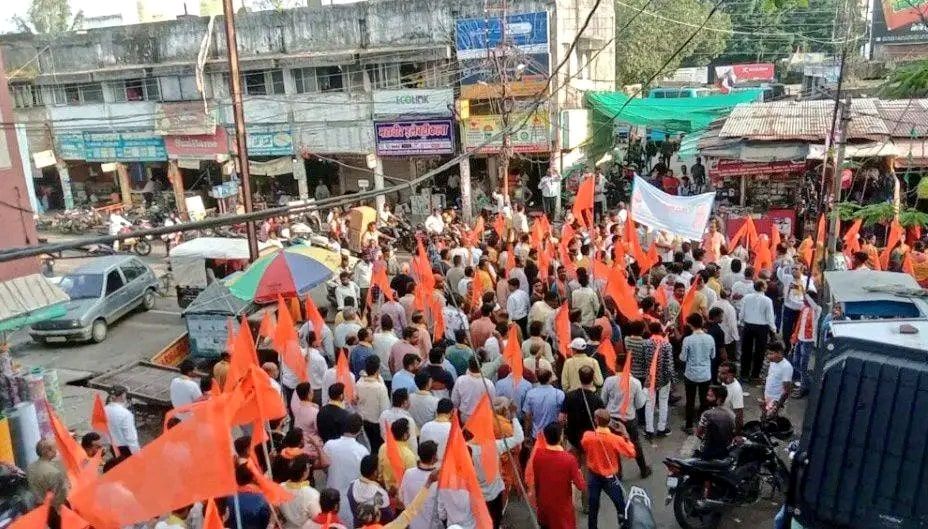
x: 653, y: 256
x: 69, y: 451
x: 510, y: 261
x: 211, y: 518
x: 907, y: 266
x: 820, y: 230
x: 805, y: 250
x: 513, y: 354
x: 343, y: 375
x: 583, y: 202
x: 158, y: 479
x: 762, y: 258
x: 287, y: 343
x: 660, y: 296
x: 499, y: 226
x: 258, y: 401
x: 36, y: 518
x: 851, y: 242
x: 268, y: 327
x: 272, y: 492
x: 394, y: 458
x: 544, y: 261
x: 71, y: 520
x: 775, y: 238
x: 634, y: 246
x: 626, y: 384
x: 475, y: 235
x: 892, y: 239
x: 686, y: 307
x: 313, y: 315
x: 751, y: 232
x: 562, y: 329
x: 423, y: 268
x: 382, y: 282
x: 438, y: 317
x: 736, y: 238
x: 652, y: 369
x: 476, y: 292
x: 621, y: 292
x: 608, y: 351
x: 243, y: 355
x: 480, y: 425
x: 295, y: 312
x: 98, y: 420
x: 457, y: 473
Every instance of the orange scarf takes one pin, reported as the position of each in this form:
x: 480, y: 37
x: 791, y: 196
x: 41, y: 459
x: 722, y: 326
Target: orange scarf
x: 652, y: 370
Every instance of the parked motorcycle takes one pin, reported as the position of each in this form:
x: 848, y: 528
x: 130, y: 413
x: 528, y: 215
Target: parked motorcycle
x: 140, y: 245
x: 701, y: 490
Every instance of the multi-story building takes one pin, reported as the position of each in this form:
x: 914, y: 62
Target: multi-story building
x: 340, y: 94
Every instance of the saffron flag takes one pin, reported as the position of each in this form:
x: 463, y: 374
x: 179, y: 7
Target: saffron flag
x: 907, y: 266
x: 892, y: 239
x: 626, y: 384
x: 211, y: 518
x: 394, y: 457
x: 473, y: 237
x: 634, y: 246
x: 480, y: 425
x: 686, y: 306
x: 805, y: 251
x: 608, y: 351
x: 457, y: 474
x: 653, y: 257
x: 295, y: 312
x: 499, y: 226
x: 287, y: 344
x: 763, y: 260
x: 652, y: 368
x: 820, y: 230
x: 513, y: 354
x: 70, y: 453
x: 382, y: 282
x: 751, y: 232
x: 621, y: 292
x: 438, y: 317
x: 71, y: 520
x: 98, y: 420
x: 243, y: 355
x: 851, y: 239
x: 562, y: 329
x: 775, y: 238
x: 544, y: 262
x: 36, y: 518
x: 476, y: 292
x: 257, y: 401
x: 160, y: 478
x: 268, y: 327
x: 315, y: 317
x: 343, y: 375
x: 660, y: 296
x: 583, y: 201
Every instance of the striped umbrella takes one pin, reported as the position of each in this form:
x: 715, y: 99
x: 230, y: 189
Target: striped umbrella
x: 288, y: 273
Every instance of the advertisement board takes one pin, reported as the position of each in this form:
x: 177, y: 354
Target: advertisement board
x: 413, y: 102
x: 269, y: 140
x: 404, y: 138
x: 899, y: 21
x: 124, y: 146
x: 526, y: 32
x: 69, y: 145
x: 695, y: 75
x: 187, y: 118
x: 199, y: 146
x: 534, y: 136
x: 729, y: 75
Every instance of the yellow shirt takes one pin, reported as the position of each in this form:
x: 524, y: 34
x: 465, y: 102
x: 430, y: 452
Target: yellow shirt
x: 570, y: 377
x: 385, y: 471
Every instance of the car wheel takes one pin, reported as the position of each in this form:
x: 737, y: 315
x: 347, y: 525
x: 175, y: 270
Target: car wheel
x: 98, y: 331
x: 148, y: 299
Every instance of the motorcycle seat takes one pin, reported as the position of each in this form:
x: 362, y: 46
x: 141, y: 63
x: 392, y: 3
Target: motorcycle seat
x: 709, y: 464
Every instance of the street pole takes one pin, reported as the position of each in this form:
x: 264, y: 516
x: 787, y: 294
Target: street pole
x: 501, y: 66
x: 844, y: 120
x: 238, y: 112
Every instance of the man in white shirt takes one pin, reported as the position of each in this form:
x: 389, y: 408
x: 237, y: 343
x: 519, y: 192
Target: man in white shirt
x: 438, y: 429
x: 400, y: 410
x: 373, y: 400
x: 759, y: 321
x: 735, y: 399
x: 742, y: 287
x: 469, y: 388
x: 349, y: 327
x: 347, y: 289
x: 415, y: 479
x: 422, y: 404
x: 733, y: 275
x: 363, y: 271
x: 779, y: 378
x: 517, y: 305
x: 585, y: 299
x: 345, y: 455
x: 316, y: 365
x: 794, y: 282
x: 434, y: 224
x: 383, y: 342
x: 729, y: 323
x: 185, y: 390
x: 550, y: 186
x: 327, y: 343
x: 123, y: 433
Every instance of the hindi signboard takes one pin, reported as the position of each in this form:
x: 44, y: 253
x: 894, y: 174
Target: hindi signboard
x: 405, y: 138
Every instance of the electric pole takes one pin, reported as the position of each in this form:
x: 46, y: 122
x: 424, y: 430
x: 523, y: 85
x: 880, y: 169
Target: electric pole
x: 502, y: 67
x: 844, y: 119
x: 238, y: 112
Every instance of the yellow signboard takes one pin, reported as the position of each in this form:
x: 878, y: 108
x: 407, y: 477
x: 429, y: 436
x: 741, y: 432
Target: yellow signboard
x: 533, y: 136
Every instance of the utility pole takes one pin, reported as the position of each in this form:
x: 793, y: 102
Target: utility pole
x: 844, y: 118
x: 502, y: 66
x: 238, y: 112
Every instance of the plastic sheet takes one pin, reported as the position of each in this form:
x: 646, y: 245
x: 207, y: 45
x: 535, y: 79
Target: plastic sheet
x: 24, y: 430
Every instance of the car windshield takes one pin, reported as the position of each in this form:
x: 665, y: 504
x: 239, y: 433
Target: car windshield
x: 83, y: 286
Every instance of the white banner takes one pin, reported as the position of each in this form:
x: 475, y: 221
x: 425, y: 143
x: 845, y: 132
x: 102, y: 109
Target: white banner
x: 683, y: 216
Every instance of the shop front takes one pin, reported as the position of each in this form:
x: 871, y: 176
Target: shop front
x: 271, y: 165
x: 768, y: 192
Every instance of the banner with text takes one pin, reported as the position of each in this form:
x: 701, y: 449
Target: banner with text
x: 683, y: 216
x: 405, y: 138
x: 534, y: 136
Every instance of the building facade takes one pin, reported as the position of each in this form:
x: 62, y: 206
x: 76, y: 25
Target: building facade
x: 353, y: 96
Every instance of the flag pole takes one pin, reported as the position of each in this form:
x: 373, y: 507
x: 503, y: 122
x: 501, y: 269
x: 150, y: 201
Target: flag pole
x: 238, y: 510
x: 267, y: 453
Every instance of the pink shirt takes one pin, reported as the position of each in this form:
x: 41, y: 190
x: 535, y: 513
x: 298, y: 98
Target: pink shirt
x: 712, y: 244
x: 304, y: 418
x: 398, y: 351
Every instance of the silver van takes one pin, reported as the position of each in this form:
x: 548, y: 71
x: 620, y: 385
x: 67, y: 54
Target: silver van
x: 101, y: 292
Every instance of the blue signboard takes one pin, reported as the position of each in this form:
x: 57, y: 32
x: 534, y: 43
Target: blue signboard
x: 404, y: 138
x: 269, y: 140
x: 69, y: 146
x: 479, y: 71
x: 528, y: 32
x: 124, y: 146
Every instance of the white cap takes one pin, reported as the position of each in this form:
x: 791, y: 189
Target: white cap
x: 578, y: 344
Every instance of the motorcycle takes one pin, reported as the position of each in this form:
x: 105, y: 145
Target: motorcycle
x: 701, y: 490
x: 140, y: 245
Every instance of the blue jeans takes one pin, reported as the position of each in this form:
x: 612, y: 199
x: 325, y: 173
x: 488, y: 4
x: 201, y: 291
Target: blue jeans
x: 779, y: 522
x: 612, y: 488
x: 801, y: 355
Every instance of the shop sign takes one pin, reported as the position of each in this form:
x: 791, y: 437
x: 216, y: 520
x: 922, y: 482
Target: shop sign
x: 124, y: 146
x: 413, y: 102
x: 225, y: 189
x: 44, y: 159
x: 200, y: 146
x: 405, y: 138
x: 275, y: 167
x: 189, y: 118
x: 724, y: 168
x: 526, y: 32
x: 899, y: 21
x: 70, y: 145
x: 689, y: 75
x: 534, y: 136
x: 730, y: 75
x: 269, y: 140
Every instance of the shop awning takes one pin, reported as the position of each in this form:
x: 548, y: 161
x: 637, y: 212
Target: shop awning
x: 30, y: 299
x: 869, y: 150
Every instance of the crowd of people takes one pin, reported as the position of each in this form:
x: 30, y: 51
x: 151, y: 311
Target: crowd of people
x: 567, y: 347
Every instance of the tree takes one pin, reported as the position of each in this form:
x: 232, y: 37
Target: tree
x: 49, y: 16
x: 907, y: 81
x: 655, y: 34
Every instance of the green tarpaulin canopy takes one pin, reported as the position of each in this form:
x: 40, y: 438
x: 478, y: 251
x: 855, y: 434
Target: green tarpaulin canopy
x: 683, y: 114
x: 29, y: 299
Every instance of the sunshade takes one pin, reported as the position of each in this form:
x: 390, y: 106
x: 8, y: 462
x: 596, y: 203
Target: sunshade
x: 286, y: 273
x: 216, y: 299
x: 329, y: 258
x: 30, y: 299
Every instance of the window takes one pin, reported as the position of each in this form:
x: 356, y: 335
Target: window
x: 133, y: 271
x: 78, y: 94
x: 411, y: 75
x: 179, y: 88
x: 146, y: 89
x: 113, y: 282
x: 263, y: 83
x: 330, y: 79
x: 26, y: 95
x: 383, y: 75
x: 305, y: 80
